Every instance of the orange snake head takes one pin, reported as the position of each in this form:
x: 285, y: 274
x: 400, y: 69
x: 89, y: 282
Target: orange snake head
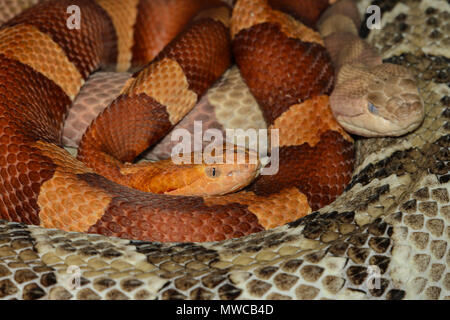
x: 231, y: 170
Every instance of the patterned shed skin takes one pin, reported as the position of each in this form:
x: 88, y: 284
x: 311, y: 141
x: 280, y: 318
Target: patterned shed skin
x: 394, y: 216
x: 94, y: 199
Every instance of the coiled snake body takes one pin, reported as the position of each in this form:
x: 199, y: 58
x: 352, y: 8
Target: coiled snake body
x: 316, y: 156
x: 323, y: 255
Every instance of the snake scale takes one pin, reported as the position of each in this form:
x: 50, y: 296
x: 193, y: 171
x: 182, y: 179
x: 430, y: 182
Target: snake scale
x: 58, y: 192
x: 394, y: 215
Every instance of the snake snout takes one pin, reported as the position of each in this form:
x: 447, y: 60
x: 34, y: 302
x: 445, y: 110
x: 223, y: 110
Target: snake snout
x: 406, y: 107
x: 403, y: 111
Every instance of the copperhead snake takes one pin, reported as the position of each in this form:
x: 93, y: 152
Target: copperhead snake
x: 157, y: 97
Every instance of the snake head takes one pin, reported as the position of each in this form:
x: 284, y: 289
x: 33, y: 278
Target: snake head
x: 380, y: 101
x: 223, y: 170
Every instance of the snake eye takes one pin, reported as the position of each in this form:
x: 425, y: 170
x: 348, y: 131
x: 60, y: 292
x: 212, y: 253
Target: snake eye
x: 212, y: 172
x: 373, y: 109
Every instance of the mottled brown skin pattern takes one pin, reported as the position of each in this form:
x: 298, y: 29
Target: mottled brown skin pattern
x: 307, y: 11
x: 32, y: 109
x: 257, y: 52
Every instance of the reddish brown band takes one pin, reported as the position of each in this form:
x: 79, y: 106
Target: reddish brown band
x: 138, y: 215
x: 298, y: 70
x: 23, y: 168
x: 92, y: 45
x: 159, y: 21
